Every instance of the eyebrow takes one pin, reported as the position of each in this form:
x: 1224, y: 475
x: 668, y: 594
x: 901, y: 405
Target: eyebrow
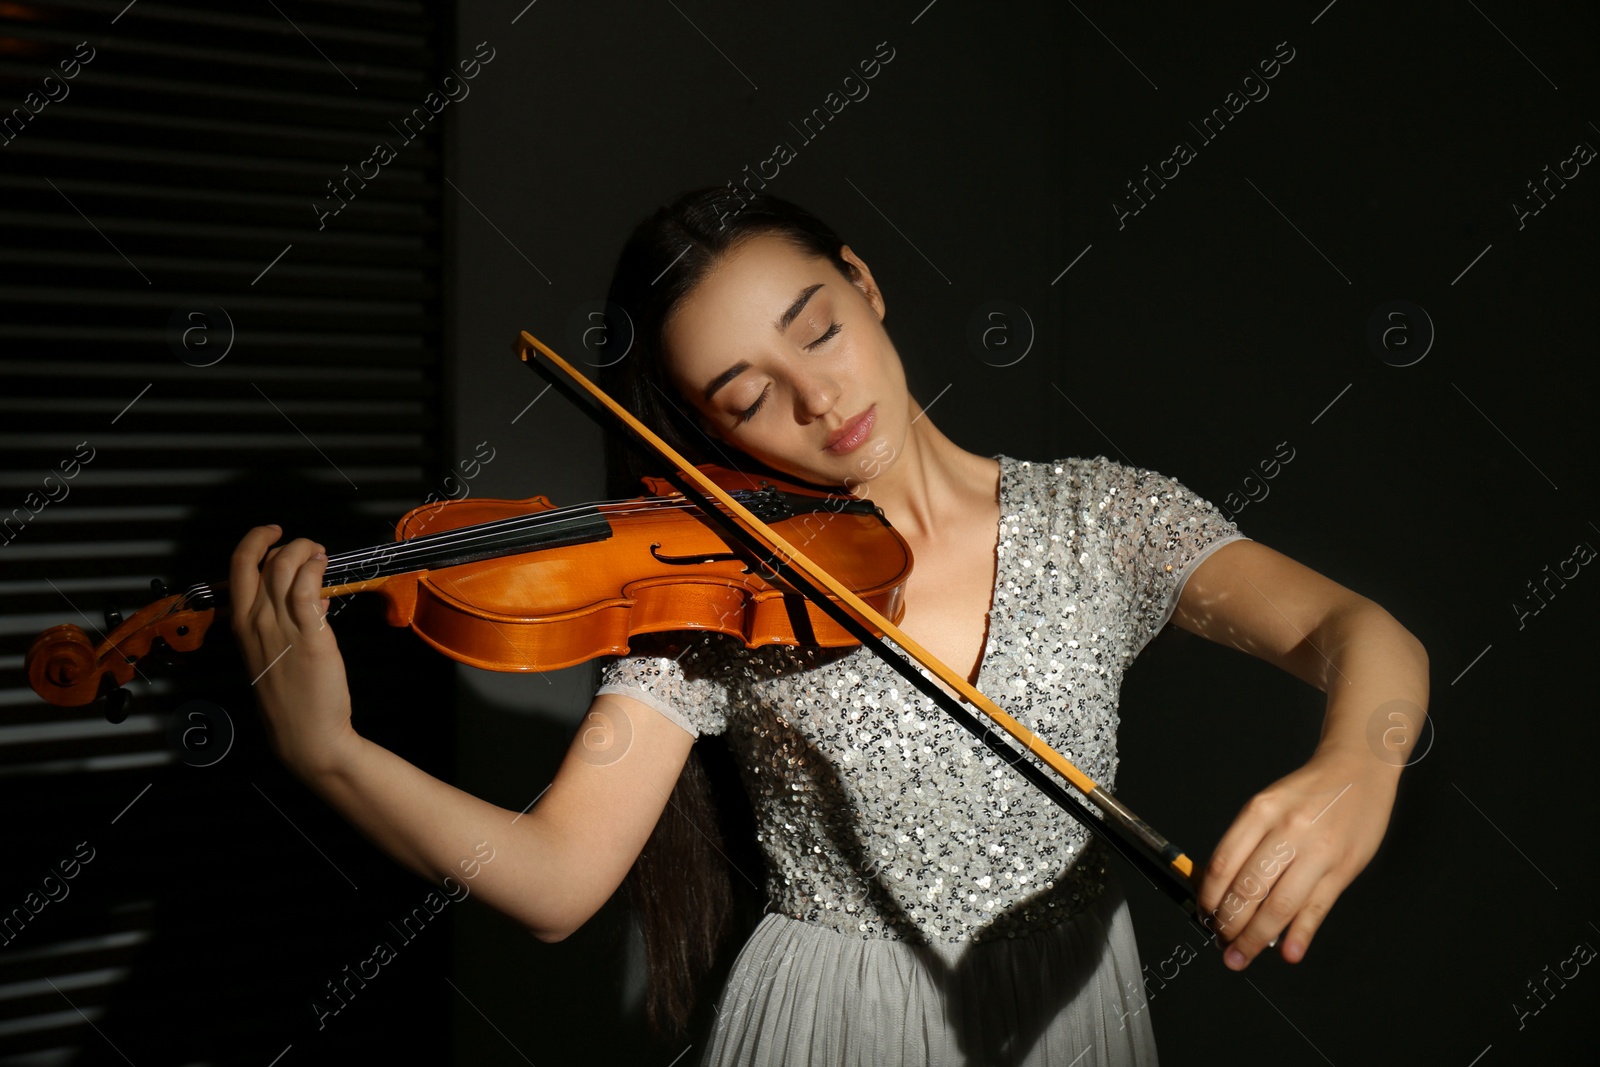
x: 780, y: 324
x: 793, y: 310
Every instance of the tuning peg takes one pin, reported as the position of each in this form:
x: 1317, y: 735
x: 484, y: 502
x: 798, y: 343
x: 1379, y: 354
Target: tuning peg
x: 161, y: 652
x: 117, y: 701
x: 158, y: 588
x: 113, y: 616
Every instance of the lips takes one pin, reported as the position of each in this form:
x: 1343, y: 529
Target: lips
x: 853, y: 434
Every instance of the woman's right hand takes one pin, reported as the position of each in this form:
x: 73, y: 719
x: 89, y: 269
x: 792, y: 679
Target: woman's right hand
x: 290, y: 651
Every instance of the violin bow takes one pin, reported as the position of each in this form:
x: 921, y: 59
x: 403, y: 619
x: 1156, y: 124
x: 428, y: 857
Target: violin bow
x: 1164, y: 864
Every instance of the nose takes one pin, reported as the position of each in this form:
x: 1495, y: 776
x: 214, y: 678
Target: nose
x: 814, y: 397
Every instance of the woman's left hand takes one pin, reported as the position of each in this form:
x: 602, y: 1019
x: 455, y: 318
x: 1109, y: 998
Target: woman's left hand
x: 1292, y: 850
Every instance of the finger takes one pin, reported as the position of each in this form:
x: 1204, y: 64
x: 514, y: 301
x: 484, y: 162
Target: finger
x: 306, y: 603
x: 1281, y: 894
x: 278, y: 573
x: 1241, y: 841
x: 1309, y: 920
x: 1231, y: 915
x: 1249, y: 888
x: 244, y: 569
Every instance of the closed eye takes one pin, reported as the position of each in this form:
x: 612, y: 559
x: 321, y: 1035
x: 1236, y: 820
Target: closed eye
x: 826, y: 336
x: 750, y: 412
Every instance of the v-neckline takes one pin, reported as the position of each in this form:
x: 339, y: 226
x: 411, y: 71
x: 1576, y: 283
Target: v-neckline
x: 1002, y: 491
x: 1002, y: 488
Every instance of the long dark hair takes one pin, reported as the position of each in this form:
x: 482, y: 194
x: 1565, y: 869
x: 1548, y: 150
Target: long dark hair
x: 680, y: 886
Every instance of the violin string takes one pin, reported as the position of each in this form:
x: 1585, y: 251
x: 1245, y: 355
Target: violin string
x: 453, y: 538
x: 401, y: 556
x: 498, y: 531
x: 489, y: 535
x: 518, y: 522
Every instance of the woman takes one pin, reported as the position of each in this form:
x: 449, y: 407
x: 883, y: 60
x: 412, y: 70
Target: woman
x: 925, y: 904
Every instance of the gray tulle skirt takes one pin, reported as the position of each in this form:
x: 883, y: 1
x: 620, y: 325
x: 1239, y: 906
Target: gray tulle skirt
x: 805, y: 994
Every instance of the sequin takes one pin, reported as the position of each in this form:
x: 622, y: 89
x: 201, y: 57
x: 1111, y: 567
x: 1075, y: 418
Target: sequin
x: 882, y: 817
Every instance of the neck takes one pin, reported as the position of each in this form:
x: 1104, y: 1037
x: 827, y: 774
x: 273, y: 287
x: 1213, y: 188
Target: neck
x: 932, y: 482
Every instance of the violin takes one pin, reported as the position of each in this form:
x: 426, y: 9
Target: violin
x: 524, y: 585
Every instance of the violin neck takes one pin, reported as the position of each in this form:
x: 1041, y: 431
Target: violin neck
x: 353, y: 571
x: 467, y: 544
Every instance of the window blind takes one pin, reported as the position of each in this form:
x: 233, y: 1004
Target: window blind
x: 217, y: 312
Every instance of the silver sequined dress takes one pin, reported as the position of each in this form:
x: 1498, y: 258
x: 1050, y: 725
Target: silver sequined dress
x: 927, y: 905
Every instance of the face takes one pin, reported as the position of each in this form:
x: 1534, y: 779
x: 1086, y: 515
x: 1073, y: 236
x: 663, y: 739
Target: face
x: 787, y: 360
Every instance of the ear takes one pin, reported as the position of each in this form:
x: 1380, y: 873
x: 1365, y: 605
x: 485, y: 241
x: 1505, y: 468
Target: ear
x: 864, y: 281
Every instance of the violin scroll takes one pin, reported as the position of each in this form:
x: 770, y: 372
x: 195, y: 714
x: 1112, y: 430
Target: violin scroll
x: 61, y: 666
x: 69, y: 670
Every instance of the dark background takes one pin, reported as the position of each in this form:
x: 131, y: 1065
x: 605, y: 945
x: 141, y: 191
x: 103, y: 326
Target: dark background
x: 1231, y: 314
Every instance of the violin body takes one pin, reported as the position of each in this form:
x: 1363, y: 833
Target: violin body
x: 659, y: 570
x: 524, y: 585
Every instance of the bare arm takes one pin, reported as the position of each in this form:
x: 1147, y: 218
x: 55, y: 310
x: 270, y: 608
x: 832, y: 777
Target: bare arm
x: 552, y: 868
x: 1298, y: 843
